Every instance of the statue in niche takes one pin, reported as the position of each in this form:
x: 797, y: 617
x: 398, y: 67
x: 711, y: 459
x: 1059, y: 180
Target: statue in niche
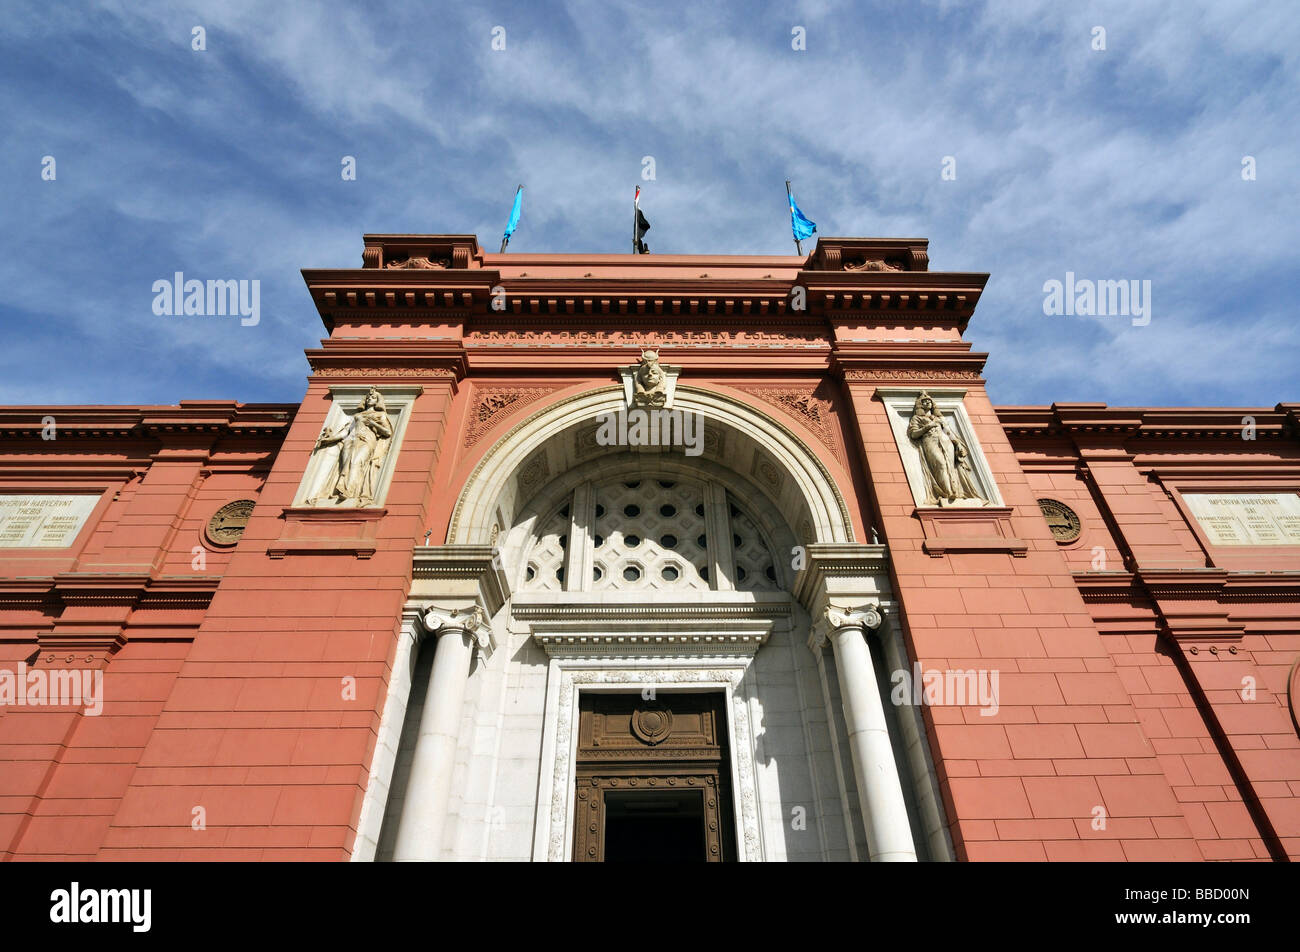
x: 945, y: 457
x: 650, y: 383
x: 363, y: 442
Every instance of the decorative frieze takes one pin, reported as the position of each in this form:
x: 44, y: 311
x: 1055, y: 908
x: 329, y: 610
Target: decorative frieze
x: 813, y: 338
x: 413, y: 372
x: 904, y: 374
x: 804, y: 405
x: 494, y: 404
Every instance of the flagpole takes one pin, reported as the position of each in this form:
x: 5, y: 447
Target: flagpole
x: 636, y: 198
x: 788, y: 202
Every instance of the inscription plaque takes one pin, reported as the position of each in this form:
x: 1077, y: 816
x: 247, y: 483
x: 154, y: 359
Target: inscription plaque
x: 1247, y: 518
x: 42, y: 521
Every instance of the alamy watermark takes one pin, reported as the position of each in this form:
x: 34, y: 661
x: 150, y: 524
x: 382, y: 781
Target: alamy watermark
x: 53, y: 687
x: 215, y: 298
x: 951, y: 687
x: 652, y: 427
x: 1088, y: 298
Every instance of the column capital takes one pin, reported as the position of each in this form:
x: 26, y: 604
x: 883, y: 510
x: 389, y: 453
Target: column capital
x: 842, y: 573
x: 834, y: 619
x: 473, y: 621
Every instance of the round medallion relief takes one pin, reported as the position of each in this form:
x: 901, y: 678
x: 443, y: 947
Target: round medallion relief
x: 652, y: 724
x: 1061, y: 519
x: 227, y: 523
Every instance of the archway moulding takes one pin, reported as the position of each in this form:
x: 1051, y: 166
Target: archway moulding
x: 559, y: 436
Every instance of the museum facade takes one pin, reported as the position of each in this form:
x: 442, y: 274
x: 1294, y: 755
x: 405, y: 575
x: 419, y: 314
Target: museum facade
x: 612, y: 557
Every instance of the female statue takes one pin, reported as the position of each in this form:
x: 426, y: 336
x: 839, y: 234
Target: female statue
x: 363, y: 443
x: 945, y: 458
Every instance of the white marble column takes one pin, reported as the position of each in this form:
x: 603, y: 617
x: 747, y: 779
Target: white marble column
x: 424, y: 810
x: 880, y: 793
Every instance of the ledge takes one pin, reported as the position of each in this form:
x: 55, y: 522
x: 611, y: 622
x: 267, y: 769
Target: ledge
x: 327, y: 531
x: 358, y: 548
x: 986, y: 529
x: 332, y: 514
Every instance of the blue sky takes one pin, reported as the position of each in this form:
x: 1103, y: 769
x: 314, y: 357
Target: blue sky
x: 1123, y: 163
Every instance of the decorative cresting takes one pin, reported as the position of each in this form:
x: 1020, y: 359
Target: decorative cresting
x: 493, y: 493
x: 352, y: 462
x: 418, y: 262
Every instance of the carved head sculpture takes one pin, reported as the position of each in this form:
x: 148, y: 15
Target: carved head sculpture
x: 373, y: 399
x: 924, y: 404
x: 650, y: 372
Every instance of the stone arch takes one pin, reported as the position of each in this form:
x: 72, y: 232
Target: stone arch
x: 737, y: 436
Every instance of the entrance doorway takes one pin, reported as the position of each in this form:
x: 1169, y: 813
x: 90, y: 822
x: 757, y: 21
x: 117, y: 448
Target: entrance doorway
x: 653, y: 779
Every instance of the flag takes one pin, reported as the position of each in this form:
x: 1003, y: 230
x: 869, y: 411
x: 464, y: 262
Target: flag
x: 642, y: 226
x: 513, y: 223
x: 802, y: 227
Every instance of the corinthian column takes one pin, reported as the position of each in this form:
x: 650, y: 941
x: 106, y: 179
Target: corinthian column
x: 880, y: 794
x: 424, y: 810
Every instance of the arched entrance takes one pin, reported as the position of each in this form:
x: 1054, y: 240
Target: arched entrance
x: 576, y: 569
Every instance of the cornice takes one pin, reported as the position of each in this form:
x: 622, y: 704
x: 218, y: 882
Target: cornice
x: 449, y: 278
x: 415, y: 357
x: 108, y: 588
x: 906, y: 362
x: 477, y: 564
x: 1151, y: 585
x: 216, y: 417
x: 1156, y: 423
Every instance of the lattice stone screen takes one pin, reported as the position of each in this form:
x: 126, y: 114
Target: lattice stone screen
x: 650, y: 533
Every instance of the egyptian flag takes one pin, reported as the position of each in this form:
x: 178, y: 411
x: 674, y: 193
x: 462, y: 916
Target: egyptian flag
x: 642, y: 226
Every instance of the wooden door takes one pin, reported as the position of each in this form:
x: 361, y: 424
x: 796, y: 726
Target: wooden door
x: 653, y: 779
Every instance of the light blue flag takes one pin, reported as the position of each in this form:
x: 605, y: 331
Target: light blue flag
x: 513, y: 223
x: 802, y: 227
